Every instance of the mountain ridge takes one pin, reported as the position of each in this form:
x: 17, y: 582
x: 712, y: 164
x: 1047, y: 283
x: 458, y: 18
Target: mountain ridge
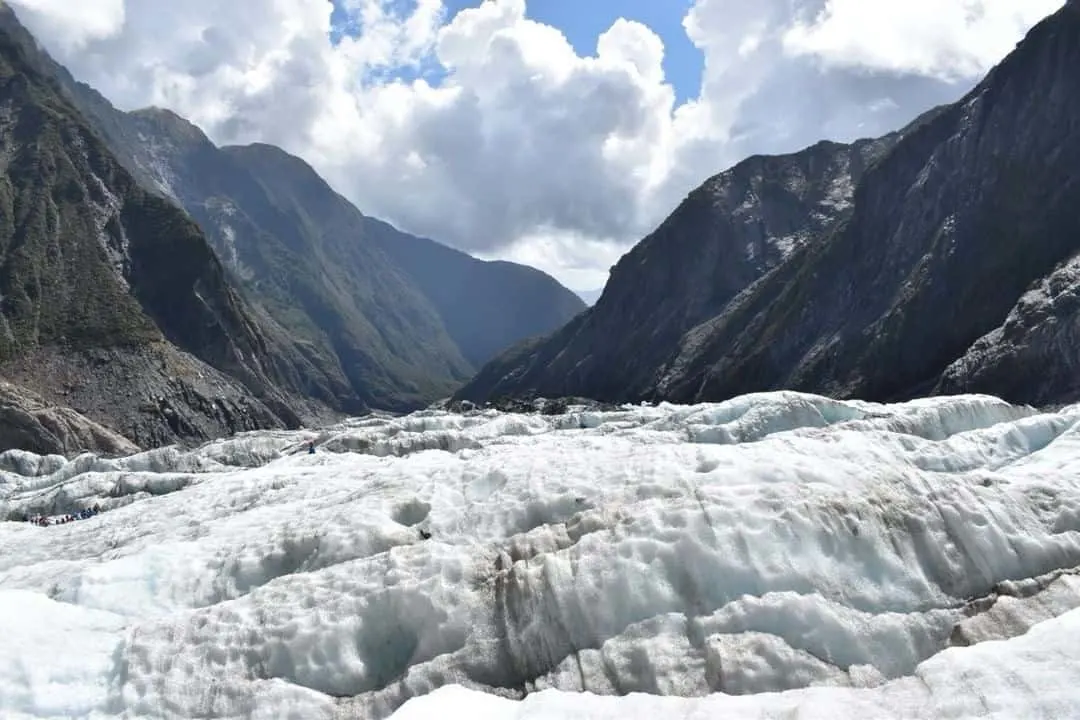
x: 767, y: 206
x: 466, y: 309
x: 948, y: 228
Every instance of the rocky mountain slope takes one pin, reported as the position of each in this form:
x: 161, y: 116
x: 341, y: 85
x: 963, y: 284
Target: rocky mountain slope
x: 483, y: 307
x: 949, y: 271
x: 486, y: 306
x: 29, y: 423
x: 299, y: 250
x: 385, y: 319
x: 727, y: 234
x: 112, y: 301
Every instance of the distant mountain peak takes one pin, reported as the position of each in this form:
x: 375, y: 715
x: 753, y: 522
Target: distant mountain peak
x: 177, y: 125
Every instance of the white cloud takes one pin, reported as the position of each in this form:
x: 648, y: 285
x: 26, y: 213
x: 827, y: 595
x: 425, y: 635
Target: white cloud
x: 579, y: 261
x: 70, y: 26
x: 523, y: 148
x: 949, y: 40
x: 390, y: 38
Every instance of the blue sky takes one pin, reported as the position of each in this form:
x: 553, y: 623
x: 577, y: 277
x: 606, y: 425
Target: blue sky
x: 582, y: 21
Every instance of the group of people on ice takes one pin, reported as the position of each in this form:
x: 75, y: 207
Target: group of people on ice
x: 46, y: 521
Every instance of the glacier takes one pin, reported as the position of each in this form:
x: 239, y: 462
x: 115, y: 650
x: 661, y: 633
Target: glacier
x: 779, y: 554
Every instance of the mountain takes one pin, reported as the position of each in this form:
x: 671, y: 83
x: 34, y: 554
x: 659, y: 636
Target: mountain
x: 484, y: 306
x: 725, y: 235
x: 949, y: 264
x: 112, y: 301
x: 362, y: 314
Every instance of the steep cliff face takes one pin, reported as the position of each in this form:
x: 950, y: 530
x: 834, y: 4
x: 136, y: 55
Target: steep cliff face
x: 90, y: 263
x: 948, y: 227
x: 726, y: 235
x: 948, y: 231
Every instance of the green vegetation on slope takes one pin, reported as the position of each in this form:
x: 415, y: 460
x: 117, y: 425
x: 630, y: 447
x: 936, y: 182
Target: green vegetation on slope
x: 57, y: 280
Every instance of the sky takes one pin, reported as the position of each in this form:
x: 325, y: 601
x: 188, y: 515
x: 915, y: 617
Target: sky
x: 552, y: 132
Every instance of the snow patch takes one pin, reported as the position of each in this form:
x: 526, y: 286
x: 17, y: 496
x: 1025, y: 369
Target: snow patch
x: 106, y: 222
x: 228, y: 235
x: 155, y: 160
x: 841, y: 192
x: 786, y: 244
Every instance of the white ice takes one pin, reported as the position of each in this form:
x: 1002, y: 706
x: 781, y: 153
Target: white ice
x: 774, y: 553
x: 1033, y: 676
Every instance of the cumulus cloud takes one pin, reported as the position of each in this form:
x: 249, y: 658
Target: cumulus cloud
x: 504, y: 141
x: 948, y: 40
x: 574, y: 258
x: 68, y: 27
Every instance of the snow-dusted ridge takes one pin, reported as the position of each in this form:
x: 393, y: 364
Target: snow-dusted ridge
x: 776, y: 542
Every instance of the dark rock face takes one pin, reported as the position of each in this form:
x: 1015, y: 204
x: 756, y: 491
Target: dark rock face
x: 153, y: 395
x: 969, y: 207
x: 1034, y: 355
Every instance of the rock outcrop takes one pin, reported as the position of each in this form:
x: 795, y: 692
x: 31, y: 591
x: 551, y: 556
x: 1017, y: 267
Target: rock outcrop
x: 29, y: 423
x: 1035, y: 353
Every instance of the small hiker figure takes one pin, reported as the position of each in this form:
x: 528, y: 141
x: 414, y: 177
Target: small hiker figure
x: 311, y: 448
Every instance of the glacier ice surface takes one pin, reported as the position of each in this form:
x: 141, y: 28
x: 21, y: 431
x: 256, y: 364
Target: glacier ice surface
x: 773, y: 553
